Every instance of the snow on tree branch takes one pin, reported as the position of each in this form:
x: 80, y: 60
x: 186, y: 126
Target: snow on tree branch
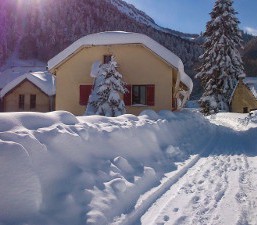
x: 221, y: 61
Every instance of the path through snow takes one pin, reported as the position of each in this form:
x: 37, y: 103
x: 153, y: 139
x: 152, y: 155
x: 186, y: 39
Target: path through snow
x: 217, y: 190
x: 218, y: 187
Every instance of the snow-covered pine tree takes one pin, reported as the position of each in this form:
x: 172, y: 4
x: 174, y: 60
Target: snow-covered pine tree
x: 221, y: 60
x: 108, y: 87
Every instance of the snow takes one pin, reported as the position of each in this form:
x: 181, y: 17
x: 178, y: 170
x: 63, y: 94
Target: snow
x: 141, y: 17
x: 18, y: 181
x: 136, y: 14
x: 43, y: 80
x: 251, y: 82
x: 192, y: 104
x: 16, y: 67
x: 95, y: 69
x: 120, y: 37
x: 158, y: 168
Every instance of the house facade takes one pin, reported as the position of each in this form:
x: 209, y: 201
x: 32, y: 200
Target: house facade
x: 29, y: 92
x: 155, y: 76
x: 244, y: 97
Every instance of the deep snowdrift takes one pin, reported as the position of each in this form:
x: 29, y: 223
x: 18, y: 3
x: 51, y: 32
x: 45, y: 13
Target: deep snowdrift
x: 56, y: 168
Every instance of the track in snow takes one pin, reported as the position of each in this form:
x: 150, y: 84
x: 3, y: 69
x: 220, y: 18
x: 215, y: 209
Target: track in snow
x: 218, y: 189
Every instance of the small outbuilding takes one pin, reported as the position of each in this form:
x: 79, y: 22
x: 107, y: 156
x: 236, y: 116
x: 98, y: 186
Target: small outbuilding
x: 154, y: 75
x: 244, y: 97
x: 29, y: 92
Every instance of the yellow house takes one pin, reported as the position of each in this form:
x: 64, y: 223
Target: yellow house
x: 29, y: 92
x: 155, y: 76
x: 244, y: 97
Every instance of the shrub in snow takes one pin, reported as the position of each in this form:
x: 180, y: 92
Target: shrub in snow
x: 105, y: 99
x: 221, y: 61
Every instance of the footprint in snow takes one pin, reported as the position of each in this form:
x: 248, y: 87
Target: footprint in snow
x: 243, y: 179
x: 234, y: 168
x: 175, y: 209
x: 214, y: 164
x: 219, y: 195
x: 181, y: 220
x: 203, y: 211
x: 206, y: 174
x: 195, y: 199
x: 188, y: 188
x: 166, y: 218
x: 200, y: 181
x: 241, y: 197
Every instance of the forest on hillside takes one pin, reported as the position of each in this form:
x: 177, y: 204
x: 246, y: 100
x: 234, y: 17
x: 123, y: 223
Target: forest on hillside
x: 42, y: 29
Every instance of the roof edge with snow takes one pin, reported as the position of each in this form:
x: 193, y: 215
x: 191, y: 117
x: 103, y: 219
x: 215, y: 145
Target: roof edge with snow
x: 43, y: 80
x: 250, y: 83
x: 119, y: 37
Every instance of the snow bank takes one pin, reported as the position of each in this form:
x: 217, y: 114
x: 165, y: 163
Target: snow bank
x: 20, y: 191
x: 33, y: 121
x: 60, y: 169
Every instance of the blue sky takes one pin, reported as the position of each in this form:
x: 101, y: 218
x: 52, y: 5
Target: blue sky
x: 190, y: 16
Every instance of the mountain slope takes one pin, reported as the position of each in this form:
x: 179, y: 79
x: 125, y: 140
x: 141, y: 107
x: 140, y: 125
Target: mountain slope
x: 250, y: 57
x: 141, y: 17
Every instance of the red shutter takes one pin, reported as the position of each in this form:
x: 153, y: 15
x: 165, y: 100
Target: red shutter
x: 85, y: 91
x: 150, y: 95
x: 127, y: 96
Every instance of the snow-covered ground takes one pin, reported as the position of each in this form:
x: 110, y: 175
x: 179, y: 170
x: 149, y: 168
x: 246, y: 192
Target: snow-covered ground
x: 165, y: 168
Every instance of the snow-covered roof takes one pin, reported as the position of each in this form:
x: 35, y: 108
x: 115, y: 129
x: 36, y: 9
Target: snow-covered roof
x: 251, y: 83
x: 120, y: 37
x: 43, y: 80
x: 12, y: 73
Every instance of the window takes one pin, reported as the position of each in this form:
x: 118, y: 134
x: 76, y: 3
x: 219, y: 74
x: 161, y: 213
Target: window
x: 142, y: 95
x: 139, y: 94
x: 21, y: 101
x: 107, y: 58
x: 32, y: 101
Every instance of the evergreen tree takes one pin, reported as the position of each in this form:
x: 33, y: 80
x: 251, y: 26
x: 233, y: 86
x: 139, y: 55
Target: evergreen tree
x: 105, y: 99
x: 221, y: 60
